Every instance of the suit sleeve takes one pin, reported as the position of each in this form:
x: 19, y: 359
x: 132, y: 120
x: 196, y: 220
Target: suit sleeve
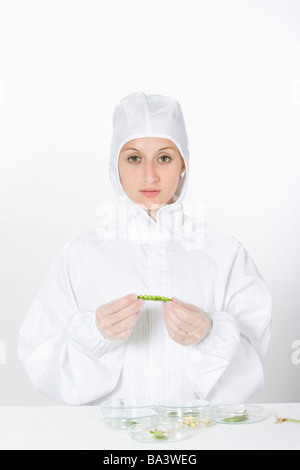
x: 227, y: 366
x: 60, y: 347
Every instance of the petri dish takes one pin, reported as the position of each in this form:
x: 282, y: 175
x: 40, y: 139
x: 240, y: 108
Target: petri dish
x: 121, y: 403
x: 160, y: 433
x: 193, y: 413
x: 123, y: 414
x: 237, y: 414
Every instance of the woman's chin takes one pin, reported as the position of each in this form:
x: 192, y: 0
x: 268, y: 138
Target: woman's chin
x: 153, y: 206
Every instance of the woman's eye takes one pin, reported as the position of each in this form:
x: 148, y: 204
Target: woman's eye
x: 133, y: 159
x: 136, y: 159
x: 165, y: 158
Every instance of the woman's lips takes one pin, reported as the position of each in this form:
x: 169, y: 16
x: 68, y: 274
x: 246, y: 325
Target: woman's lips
x: 150, y: 193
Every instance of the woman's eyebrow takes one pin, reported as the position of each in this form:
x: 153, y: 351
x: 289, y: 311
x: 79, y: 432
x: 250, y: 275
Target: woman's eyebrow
x: 136, y: 150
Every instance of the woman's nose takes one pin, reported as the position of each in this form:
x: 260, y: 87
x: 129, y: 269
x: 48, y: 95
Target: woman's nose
x: 150, y: 173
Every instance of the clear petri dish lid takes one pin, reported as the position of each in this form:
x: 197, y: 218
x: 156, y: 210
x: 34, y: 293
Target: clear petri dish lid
x: 182, y: 403
x: 124, y: 418
x: 122, y: 403
x: 193, y: 413
x: 160, y: 433
x: 237, y: 414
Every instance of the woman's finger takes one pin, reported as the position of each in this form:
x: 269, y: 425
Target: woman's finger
x: 117, y: 305
x: 185, y: 326
x: 125, y: 323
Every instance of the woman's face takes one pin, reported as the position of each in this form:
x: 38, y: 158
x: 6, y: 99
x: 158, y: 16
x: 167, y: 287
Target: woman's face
x: 149, y: 170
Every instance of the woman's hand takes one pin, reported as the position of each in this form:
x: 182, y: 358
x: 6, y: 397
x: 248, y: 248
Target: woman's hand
x: 186, y: 323
x: 116, y: 319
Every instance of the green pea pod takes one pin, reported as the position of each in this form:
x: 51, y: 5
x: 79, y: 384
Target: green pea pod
x: 154, y: 297
x: 236, y: 419
x: 159, y: 435
x: 128, y: 422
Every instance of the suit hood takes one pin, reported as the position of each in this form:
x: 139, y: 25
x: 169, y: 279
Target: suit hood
x: 140, y: 115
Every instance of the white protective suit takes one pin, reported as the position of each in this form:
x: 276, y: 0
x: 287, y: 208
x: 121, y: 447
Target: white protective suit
x: 60, y: 345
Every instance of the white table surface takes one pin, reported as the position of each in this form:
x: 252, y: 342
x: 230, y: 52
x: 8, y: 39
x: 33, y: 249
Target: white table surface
x: 68, y: 428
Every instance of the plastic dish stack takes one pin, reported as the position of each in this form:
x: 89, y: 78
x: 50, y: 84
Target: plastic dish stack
x: 124, y: 414
x: 174, y: 420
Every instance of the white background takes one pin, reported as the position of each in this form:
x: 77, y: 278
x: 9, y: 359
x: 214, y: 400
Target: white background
x: 235, y: 68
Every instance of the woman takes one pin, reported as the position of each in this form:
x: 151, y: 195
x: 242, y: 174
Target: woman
x: 88, y: 337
